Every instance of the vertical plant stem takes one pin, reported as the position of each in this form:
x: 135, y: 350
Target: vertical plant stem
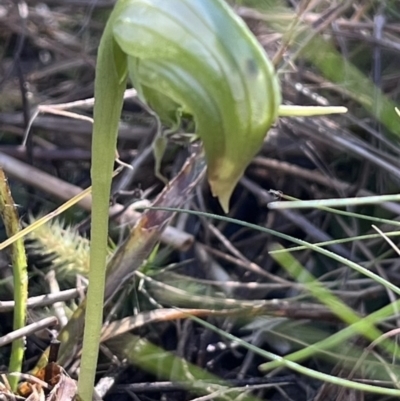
x: 110, y: 84
x: 10, y: 218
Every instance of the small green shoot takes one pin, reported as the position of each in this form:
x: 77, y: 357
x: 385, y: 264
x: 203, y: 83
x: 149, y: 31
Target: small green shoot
x: 10, y: 218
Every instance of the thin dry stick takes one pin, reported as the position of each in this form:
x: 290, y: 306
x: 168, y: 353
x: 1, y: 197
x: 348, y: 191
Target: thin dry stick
x: 53, y: 108
x: 60, y: 110
x: 43, y: 300
x: 245, y: 263
x: 57, y: 306
x: 27, y: 330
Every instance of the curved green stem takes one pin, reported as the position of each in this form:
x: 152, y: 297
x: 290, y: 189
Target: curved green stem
x: 110, y: 84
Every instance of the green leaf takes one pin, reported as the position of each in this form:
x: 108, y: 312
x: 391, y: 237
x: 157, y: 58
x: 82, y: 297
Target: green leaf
x: 199, y: 56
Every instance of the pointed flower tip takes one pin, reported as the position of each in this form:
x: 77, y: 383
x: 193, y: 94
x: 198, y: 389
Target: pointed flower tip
x: 224, y: 202
x: 223, y: 192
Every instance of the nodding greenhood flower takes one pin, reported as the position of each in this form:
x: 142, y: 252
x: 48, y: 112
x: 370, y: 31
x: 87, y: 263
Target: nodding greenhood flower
x: 198, y: 58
